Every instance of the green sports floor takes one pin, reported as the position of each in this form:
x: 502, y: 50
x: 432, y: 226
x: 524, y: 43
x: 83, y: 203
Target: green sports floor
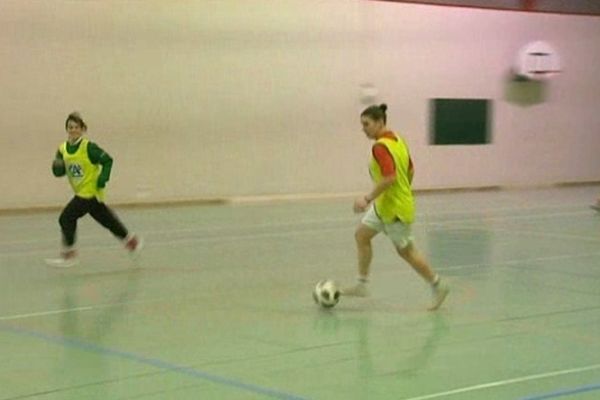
x: 219, y: 305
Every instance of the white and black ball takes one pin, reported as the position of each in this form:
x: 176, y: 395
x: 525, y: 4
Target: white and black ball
x: 326, y: 293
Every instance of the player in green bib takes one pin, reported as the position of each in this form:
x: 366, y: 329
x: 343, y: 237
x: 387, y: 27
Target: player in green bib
x: 389, y: 206
x: 87, y: 168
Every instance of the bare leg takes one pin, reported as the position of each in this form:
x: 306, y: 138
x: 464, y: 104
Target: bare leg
x: 422, y: 267
x: 364, y: 252
x: 412, y: 256
x: 363, y: 236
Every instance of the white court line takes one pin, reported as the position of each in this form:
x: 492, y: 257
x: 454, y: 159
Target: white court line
x: 51, y: 312
x: 550, y: 234
x: 279, y: 234
x: 506, y: 382
x: 455, y: 224
x: 79, y: 309
x: 208, y: 228
x: 517, y: 231
x: 100, y: 306
x: 511, y: 262
x: 423, y: 217
x: 212, y: 239
x: 485, y: 218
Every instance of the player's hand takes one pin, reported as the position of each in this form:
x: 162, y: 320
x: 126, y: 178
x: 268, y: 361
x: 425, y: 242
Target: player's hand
x: 360, y: 204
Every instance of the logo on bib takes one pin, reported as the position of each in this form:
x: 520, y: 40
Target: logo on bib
x: 76, y: 171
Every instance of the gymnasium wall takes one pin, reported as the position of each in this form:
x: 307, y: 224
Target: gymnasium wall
x: 230, y: 98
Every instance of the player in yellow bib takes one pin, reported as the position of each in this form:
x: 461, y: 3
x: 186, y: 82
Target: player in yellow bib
x: 389, y: 206
x: 87, y: 168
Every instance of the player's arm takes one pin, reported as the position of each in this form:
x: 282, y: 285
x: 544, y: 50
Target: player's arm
x: 381, y: 187
x: 58, y: 165
x: 388, y: 170
x: 99, y: 156
x: 411, y: 170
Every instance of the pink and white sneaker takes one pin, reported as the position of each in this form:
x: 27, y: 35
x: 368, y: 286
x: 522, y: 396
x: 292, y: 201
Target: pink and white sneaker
x: 134, y: 244
x: 67, y: 259
x: 358, y: 290
x: 440, y: 291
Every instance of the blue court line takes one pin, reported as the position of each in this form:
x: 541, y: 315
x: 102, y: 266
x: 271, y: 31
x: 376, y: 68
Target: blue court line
x: 164, y: 365
x: 564, y: 392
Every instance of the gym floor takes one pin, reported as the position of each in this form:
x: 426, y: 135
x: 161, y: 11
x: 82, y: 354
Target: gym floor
x: 219, y: 304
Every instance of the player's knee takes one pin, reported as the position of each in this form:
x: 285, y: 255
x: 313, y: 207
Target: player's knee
x: 64, y: 220
x: 361, y: 238
x: 406, y: 251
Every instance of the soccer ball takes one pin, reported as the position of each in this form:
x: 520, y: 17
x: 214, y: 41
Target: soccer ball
x: 326, y: 293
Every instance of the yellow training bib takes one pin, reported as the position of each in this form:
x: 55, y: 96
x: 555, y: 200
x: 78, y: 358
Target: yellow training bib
x: 82, y: 174
x: 397, y: 202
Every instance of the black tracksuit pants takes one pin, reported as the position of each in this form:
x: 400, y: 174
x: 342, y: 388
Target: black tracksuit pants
x: 78, y: 207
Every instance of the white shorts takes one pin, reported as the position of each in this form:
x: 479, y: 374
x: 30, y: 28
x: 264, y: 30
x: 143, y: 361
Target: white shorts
x: 398, y: 232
